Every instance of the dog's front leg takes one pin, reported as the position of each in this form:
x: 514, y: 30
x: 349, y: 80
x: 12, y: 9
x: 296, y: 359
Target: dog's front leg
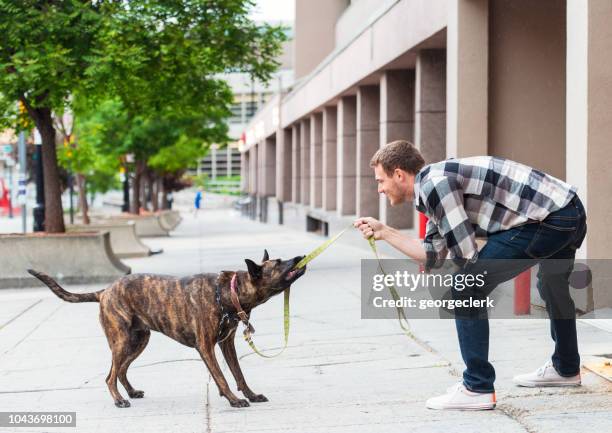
x: 207, y: 352
x: 229, y: 353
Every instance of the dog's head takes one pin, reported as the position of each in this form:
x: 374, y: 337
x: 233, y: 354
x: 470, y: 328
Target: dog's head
x: 273, y: 276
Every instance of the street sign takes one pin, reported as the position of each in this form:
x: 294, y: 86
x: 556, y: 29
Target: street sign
x: 22, y: 192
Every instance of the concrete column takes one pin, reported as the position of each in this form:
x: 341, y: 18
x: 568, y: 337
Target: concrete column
x: 589, y: 126
x: 329, y: 151
x: 316, y: 160
x: 368, y: 142
x: 253, y: 169
x: 228, y: 154
x: 305, y: 161
x: 527, y: 88
x: 213, y: 161
x: 284, y: 161
x: 430, y: 105
x: 347, y: 151
x: 261, y: 168
x: 296, y: 164
x: 467, y: 77
x: 244, y: 171
x: 396, y: 123
x: 269, y: 166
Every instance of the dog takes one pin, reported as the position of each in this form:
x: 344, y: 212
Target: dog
x: 197, y: 311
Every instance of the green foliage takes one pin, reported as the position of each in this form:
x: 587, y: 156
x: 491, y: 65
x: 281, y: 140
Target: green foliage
x: 89, y: 150
x: 178, y: 155
x: 200, y: 181
x: 104, y: 176
x: 159, y: 55
x: 46, y: 48
x: 141, y: 76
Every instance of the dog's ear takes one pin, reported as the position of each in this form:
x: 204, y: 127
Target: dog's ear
x: 266, y: 257
x: 254, y: 269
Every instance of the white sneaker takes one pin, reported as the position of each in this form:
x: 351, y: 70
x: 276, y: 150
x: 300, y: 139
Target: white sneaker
x: 546, y: 376
x: 459, y: 397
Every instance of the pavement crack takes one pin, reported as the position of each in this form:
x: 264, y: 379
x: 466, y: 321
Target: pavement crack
x: 208, y: 413
x: 169, y: 361
x: 24, y: 391
x: 517, y: 415
x: 35, y: 328
x: 452, y: 370
x: 20, y: 314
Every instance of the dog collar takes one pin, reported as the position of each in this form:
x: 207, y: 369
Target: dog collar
x: 236, y: 302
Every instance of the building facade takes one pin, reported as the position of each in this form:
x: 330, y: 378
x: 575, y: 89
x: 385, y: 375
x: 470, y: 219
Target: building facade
x: 249, y: 96
x: 521, y: 79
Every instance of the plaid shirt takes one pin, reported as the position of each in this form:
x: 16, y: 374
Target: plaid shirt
x: 473, y: 197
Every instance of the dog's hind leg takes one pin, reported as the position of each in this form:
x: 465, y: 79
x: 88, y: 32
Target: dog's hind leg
x: 207, y: 352
x: 116, y: 328
x: 138, y: 341
x: 229, y: 353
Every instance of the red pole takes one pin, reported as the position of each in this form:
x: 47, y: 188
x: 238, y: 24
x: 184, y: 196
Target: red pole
x: 522, y: 293
x: 422, y: 231
x: 422, y: 225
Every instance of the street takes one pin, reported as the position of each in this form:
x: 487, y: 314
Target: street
x: 339, y: 373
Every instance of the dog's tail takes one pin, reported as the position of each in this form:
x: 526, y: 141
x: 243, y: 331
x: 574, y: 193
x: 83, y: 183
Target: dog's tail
x: 63, y: 294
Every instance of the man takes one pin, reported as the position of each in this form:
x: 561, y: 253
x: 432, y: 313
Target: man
x: 525, y: 214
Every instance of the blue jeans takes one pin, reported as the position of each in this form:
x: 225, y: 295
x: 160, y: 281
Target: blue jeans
x: 555, y: 238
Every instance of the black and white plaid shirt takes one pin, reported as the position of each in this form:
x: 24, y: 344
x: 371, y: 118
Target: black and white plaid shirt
x: 473, y: 197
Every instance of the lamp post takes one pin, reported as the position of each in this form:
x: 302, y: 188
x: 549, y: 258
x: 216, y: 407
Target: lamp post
x: 22, y: 193
x: 39, y: 208
x: 125, y: 177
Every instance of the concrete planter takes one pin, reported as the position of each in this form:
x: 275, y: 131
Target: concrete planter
x: 146, y: 225
x: 124, y: 240
x: 170, y: 219
x: 71, y: 258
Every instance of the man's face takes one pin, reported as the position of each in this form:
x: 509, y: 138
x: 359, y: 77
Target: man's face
x: 398, y: 187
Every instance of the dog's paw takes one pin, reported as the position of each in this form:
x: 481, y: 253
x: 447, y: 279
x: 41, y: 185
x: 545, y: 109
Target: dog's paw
x: 240, y: 403
x: 122, y: 403
x: 258, y: 398
x: 136, y: 394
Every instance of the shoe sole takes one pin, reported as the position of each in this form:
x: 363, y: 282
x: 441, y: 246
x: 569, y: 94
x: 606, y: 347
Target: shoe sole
x: 484, y: 406
x: 546, y: 384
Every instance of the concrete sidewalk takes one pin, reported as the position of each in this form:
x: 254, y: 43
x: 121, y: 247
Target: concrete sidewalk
x: 339, y: 374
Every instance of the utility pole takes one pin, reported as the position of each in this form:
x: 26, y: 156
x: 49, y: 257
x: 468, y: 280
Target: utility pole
x: 71, y: 192
x: 22, y: 193
x: 10, y: 163
x: 125, y: 178
x: 39, y: 209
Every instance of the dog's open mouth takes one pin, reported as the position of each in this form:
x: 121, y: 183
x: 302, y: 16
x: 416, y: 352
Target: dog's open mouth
x: 295, y: 273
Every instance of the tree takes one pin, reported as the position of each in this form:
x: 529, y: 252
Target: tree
x: 85, y: 151
x: 162, y: 60
x: 45, y: 47
x: 155, y: 56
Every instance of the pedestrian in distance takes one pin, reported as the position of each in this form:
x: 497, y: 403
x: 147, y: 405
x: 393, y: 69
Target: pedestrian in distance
x: 197, y: 202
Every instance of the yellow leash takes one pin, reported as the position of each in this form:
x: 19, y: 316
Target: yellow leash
x: 401, y: 317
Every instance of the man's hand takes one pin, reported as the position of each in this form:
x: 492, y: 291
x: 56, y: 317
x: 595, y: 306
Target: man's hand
x: 370, y: 227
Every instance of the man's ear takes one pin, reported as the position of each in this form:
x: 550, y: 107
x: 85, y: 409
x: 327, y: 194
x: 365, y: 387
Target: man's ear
x: 401, y: 175
x: 266, y: 257
x: 254, y: 269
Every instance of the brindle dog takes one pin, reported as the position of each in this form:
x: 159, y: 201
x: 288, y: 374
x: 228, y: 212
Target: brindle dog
x: 196, y: 311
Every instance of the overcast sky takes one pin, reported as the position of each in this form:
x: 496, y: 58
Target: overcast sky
x: 273, y: 10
